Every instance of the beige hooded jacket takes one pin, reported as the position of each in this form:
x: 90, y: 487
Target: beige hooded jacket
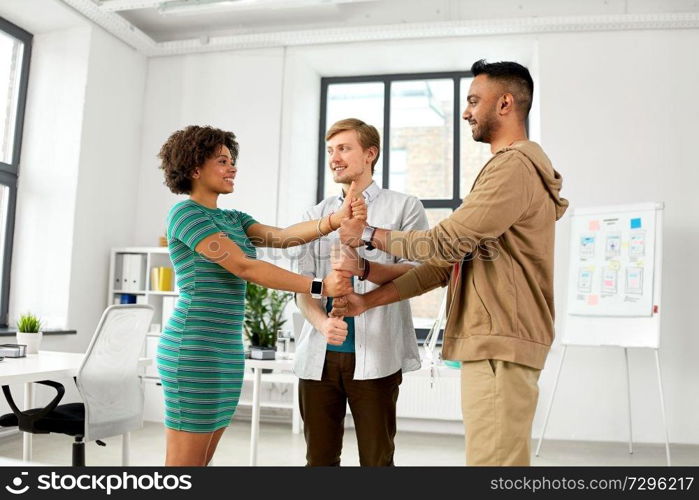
x: 496, y: 254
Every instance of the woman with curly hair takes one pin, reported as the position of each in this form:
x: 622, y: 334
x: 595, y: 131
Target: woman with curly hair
x: 200, y: 354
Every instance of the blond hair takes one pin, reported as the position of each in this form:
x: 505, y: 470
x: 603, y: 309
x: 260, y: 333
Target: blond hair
x: 367, y: 134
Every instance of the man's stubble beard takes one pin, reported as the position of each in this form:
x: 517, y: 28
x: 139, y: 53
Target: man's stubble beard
x: 485, y: 129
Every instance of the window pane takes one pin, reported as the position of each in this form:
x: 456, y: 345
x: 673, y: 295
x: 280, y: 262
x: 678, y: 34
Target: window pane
x: 473, y: 154
x: 11, y: 51
x: 426, y: 307
x: 422, y: 141
x: 355, y: 100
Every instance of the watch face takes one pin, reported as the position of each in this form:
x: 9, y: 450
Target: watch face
x: 316, y: 287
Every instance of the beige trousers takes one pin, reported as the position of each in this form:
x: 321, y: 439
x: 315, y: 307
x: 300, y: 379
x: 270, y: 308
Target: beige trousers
x: 498, y: 400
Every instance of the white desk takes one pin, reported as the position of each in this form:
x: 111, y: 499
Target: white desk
x: 47, y: 365
x: 257, y: 366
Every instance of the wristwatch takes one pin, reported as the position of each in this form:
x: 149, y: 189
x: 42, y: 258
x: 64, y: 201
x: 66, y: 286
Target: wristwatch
x: 367, y: 236
x: 317, y: 288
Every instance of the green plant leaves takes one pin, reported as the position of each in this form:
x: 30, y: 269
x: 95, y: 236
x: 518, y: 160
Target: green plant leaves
x: 28, y: 323
x: 263, y: 314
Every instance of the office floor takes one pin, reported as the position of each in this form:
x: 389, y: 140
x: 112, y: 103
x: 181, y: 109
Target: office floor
x: 278, y: 446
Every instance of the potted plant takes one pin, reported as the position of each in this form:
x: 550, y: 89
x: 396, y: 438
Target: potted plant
x: 263, y: 319
x: 29, y: 332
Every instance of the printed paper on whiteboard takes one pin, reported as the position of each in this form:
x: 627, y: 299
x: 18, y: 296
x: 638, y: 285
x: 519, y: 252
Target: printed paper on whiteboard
x: 637, y: 244
x: 611, y: 269
x: 613, y: 245
x: 609, y: 280
x: 585, y: 280
x: 587, y: 246
x: 634, y: 280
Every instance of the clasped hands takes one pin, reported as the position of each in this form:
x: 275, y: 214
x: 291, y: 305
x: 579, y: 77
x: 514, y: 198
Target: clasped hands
x: 338, y: 283
x: 345, y: 263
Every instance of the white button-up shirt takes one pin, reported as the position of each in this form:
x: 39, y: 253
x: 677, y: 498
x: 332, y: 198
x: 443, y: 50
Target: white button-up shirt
x: 384, y: 337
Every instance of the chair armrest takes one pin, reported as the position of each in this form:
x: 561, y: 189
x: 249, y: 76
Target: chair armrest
x: 24, y: 417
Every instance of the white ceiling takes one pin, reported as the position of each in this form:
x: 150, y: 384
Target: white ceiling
x: 154, y: 28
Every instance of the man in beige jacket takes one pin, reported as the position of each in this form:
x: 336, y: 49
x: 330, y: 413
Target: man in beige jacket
x: 495, y: 253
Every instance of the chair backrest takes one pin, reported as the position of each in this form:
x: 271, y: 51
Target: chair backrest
x: 108, y: 379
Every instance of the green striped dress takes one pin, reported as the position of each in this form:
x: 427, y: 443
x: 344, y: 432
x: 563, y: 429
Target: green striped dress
x: 200, y: 354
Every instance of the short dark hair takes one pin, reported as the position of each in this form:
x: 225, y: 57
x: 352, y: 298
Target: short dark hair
x: 516, y: 78
x: 187, y: 149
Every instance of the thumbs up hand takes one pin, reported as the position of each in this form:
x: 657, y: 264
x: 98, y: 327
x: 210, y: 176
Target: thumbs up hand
x: 353, y: 206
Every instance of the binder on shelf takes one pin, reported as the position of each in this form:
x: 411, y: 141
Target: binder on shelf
x: 134, y: 265
x: 128, y: 298
x: 168, y: 308
x: 125, y: 271
x: 165, y: 279
x: 141, y: 299
x: 118, y: 273
x: 161, y: 279
x: 154, y: 279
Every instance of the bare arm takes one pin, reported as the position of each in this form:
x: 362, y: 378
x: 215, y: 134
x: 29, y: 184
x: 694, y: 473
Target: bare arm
x: 383, y: 273
x: 347, y: 259
x: 220, y: 249
x: 262, y: 235
x: 416, y: 281
x: 356, y: 304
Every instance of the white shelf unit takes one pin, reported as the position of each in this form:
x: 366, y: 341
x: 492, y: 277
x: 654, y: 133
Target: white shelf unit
x: 150, y: 257
x: 281, y: 382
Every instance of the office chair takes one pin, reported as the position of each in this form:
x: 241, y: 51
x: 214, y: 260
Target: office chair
x: 108, y: 382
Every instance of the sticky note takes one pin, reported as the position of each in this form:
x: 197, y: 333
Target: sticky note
x: 636, y: 223
x: 592, y: 300
x: 593, y: 225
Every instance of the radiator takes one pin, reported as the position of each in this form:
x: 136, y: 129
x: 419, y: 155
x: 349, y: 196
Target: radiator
x: 440, y: 400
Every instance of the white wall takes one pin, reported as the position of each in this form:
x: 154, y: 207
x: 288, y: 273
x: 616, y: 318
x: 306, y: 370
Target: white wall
x: 105, y: 203
x: 617, y: 123
x: 237, y: 91
x: 78, y: 177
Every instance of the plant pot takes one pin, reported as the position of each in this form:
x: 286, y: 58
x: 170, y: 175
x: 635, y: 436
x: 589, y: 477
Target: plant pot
x: 31, y: 340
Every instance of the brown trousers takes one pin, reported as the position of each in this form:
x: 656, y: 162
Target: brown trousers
x: 323, y: 405
x: 498, y: 400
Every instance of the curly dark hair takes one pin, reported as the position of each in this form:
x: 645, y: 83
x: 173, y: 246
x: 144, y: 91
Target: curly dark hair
x: 188, y: 149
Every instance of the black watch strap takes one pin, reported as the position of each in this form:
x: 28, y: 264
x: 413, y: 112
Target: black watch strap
x: 367, y: 270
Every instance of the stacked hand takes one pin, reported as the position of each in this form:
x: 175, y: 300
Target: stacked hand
x: 345, y: 263
x: 351, y: 232
x: 354, y: 207
x: 346, y: 259
x: 337, y: 284
x: 349, y: 305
